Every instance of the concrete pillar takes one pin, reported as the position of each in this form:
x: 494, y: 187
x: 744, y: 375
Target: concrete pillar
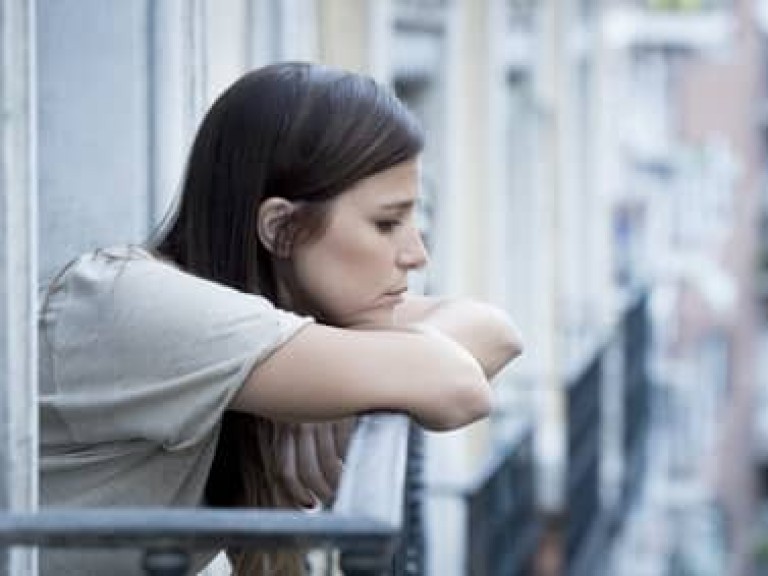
x: 226, y: 46
x: 18, y: 273
x: 93, y: 119
x: 177, y: 95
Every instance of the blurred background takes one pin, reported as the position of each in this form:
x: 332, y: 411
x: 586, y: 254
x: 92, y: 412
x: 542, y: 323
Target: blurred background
x: 595, y: 167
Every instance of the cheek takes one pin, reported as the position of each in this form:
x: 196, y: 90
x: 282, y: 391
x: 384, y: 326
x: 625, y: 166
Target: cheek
x: 366, y: 263
x: 354, y: 255
x: 345, y: 275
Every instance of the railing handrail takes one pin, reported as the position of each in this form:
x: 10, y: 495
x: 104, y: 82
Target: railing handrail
x: 603, y: 336
x: 192, y: 528
x: 373, y: 483
x: 367, y: 515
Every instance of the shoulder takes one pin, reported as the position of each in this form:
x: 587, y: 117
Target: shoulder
x: 132, y: 273
x: 130, y: 289
x: 97, y: 270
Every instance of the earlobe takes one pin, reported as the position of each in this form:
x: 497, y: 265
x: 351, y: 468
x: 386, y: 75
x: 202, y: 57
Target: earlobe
x: 273, y: 216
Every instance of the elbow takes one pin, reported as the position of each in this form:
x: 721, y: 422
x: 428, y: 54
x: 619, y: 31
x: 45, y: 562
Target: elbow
x: 475, y: 404
x: 514, y: 343
x: 506, y: 335
x: 508, y: 345
x: 510, y: 338
x: 469, y: 399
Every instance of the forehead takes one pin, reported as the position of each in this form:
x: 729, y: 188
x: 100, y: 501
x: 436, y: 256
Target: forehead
x: 397, y: 184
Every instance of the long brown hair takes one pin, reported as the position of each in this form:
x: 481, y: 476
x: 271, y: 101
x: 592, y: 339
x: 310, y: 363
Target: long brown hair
x: 298, y: 131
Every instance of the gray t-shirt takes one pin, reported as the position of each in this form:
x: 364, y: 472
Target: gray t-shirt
x: 138, y: 362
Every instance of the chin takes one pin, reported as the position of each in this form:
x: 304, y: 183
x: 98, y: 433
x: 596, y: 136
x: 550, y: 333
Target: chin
x: 384, y: 318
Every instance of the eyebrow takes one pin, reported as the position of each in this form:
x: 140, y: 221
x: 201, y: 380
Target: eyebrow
x: 398, y: 205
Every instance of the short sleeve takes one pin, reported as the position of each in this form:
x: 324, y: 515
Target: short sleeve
x: 143, y: 350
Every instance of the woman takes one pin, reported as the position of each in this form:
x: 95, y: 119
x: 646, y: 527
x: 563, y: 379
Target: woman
x: 213, y: 366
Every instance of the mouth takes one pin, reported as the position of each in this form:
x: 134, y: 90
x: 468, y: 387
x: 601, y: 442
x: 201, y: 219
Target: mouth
x: 397, y: 292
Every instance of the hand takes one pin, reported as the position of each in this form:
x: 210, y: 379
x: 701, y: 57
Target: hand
x: 311, y: 457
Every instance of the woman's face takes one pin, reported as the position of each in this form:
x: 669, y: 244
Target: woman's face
x: 355, y: 273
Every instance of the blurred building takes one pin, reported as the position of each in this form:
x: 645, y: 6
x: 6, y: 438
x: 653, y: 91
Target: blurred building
x: 692, y: 159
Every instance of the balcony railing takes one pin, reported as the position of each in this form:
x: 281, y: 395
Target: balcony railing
x: 587, y: 522
x: 503, y: 525
x: 377, y: 503
x: 584, y: 526
x: 504, y: 528
x: 637, y: 398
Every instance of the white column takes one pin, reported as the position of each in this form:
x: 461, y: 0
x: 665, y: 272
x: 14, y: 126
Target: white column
x: 379, y: 38
x: 298, y: 38
x: 497, y: 230
x: 600, y: 235
x: 196, y: 46
x: 175, y: 101
x: 18, y: 274
x: 464, y: 206
x: 473, y: 127
x: 543, y: 341
x: 226, y: 44
x: 260, y: 31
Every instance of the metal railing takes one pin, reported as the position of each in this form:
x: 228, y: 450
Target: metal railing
x: 583, y: 528
x: 410, y: 558
x: 365, y: 523
x: 586, y: 522
x: 637, y: 398
x: 503, y: 525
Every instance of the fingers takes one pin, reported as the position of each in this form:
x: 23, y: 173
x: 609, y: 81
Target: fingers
x: 309, y: 467
x: 311, y: 460
x: 342, y: 432
x: 328, y: 457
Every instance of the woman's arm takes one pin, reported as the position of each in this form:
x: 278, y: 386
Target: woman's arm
x: 324, y: 373
x: 486, y: 332
x: 416, y: 381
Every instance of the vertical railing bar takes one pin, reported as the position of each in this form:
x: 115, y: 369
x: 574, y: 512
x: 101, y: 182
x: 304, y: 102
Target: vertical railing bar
x: 166, y: 562
x: 498, y: 532
x: 18, y: 273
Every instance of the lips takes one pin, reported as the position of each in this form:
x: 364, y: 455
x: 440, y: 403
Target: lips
x: 397, y: 292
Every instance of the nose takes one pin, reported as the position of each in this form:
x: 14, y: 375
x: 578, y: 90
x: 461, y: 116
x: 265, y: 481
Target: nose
x: 412, y: 254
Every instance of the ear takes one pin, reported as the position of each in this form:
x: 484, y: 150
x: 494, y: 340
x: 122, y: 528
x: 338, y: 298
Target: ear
x: 273, y: 215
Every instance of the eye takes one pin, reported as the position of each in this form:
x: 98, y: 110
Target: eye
x: 387, y: 226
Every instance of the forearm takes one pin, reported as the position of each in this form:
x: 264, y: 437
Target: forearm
x: 485, y: 331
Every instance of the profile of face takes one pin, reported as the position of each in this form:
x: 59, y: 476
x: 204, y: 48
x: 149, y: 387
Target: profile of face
x: 327, y: 161
x: 356, y: 271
